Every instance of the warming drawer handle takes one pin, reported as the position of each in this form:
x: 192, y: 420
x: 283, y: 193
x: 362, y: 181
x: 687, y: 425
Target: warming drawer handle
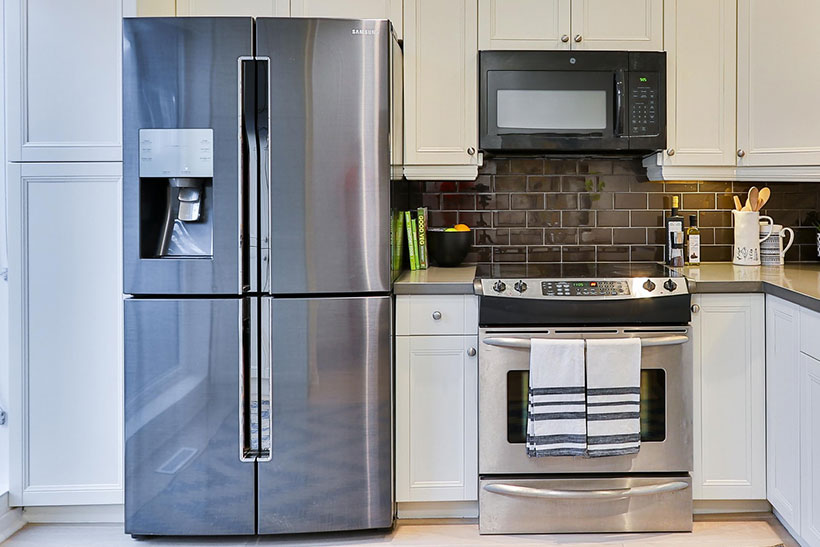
x: 619, y: 493
x: 511, y: 342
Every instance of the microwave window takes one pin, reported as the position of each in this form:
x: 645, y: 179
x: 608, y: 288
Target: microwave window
x: 551, y: 109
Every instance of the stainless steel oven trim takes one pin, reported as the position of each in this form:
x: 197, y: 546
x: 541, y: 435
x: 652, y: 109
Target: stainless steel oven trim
x: 525, y: 343
x: 674, y: 454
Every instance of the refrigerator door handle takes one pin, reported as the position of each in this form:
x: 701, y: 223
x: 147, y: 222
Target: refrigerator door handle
x: 248, y: 171
x: 248, y: 372
x: 263, y: 124
x: 266, y: 381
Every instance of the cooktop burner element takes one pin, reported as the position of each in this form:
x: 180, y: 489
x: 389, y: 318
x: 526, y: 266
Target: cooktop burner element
x: 649, y: 294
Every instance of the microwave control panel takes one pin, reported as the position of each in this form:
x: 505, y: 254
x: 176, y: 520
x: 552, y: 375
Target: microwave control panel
x: 643, y: 104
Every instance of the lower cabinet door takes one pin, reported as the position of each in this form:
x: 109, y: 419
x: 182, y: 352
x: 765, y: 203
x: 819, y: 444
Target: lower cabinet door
x: 782, y: 409
x: 729, y: 422
x: 436, y: 418
x: 810, y: 450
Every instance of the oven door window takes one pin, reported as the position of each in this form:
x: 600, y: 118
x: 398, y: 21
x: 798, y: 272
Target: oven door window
x: 551, y: 103
x: 653, y: 405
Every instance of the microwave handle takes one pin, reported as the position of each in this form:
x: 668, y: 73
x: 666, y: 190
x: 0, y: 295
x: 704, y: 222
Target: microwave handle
x: 619, y: 103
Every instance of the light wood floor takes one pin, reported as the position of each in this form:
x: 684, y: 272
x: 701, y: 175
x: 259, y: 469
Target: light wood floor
x: 760, y: 532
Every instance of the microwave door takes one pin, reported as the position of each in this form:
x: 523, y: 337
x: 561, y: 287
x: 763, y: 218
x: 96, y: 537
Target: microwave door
x: 555, y: 110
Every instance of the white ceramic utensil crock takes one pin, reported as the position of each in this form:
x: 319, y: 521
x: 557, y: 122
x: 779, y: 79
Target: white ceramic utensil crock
x: 746, y: 250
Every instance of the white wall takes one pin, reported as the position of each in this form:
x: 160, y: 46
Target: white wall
x: 4, y: 286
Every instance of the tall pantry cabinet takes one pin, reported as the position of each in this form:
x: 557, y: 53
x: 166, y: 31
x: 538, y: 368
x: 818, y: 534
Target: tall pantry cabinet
x: 63, y: 173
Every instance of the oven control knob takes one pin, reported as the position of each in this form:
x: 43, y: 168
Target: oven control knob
x: 649, y: 285
x: 520, y: 286
x: 670, y: 285
x: 499, y: 286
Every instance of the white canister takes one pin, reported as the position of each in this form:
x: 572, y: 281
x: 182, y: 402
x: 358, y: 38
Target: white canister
x: 746, y: 250
x: 772, y: 251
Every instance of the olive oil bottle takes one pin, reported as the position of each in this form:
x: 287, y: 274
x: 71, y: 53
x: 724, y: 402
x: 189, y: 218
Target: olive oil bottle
x: 693, y: 241
x: 674, y: 236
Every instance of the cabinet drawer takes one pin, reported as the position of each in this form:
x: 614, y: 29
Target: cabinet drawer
x: 436, y: 315
x: 809, y: 327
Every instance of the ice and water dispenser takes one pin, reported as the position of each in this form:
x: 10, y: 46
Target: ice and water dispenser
x: 176, y: 172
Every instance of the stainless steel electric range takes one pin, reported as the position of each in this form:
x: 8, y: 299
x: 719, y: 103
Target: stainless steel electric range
x: 647, y: 491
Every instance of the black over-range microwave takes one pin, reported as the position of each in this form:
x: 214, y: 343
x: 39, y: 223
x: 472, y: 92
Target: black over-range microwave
x: 572, y: 101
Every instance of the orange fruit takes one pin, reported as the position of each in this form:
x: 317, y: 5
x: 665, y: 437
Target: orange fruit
x: 462, y: 228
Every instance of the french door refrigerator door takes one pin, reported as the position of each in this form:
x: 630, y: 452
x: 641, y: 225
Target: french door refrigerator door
x: 183, y: 438
x: 183, y: 167
x: 329, y: 171
x: 330, y: 464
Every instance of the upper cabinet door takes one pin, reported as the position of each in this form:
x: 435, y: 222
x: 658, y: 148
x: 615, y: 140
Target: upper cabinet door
x: 441, y: 84
x: 523, y: 24
x: 351, y: 9
x: 778, y: 83
x: 63, y: 80
x: 635, y: 25
x: 700, y: 40
x: 253, y: 8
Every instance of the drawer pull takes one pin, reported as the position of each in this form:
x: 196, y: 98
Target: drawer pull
x: 619, y: 493
x: 436, y: 315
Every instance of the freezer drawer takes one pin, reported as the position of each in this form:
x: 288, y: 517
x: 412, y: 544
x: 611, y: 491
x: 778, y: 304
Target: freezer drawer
x: 656, y: 503
x: 330, y: 466
x: 182, y: 437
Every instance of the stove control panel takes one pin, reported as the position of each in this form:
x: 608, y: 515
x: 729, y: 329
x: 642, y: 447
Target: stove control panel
x: 585, y: 288
x: 605, y: 289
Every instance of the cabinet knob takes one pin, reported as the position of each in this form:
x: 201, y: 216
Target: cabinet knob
x: 670, y: 152
x: 741, y: 153
x: 565, y: 38
x: 578, y: 38
x: 471, y: 150
x: 471, y: 352
x: 436, y: 315
x: 695, y: 308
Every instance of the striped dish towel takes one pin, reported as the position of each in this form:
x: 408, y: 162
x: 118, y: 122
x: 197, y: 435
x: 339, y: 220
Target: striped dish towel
x: 613, y: 396
x: 556, y: 412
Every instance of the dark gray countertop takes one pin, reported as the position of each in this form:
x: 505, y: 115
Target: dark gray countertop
x: 798, y: 283
x: 435, y: 280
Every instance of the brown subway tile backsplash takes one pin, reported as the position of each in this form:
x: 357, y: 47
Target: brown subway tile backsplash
x: 546, y: 210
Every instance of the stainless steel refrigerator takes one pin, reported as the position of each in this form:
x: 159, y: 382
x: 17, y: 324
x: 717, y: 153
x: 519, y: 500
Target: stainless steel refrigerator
x: 257, y: 273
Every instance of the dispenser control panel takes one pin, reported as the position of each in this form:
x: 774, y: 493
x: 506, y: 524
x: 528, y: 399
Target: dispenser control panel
x: 177, y: 153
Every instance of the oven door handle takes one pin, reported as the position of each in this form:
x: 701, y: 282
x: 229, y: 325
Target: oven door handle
x: 512, y: 342
x: 619, y: 493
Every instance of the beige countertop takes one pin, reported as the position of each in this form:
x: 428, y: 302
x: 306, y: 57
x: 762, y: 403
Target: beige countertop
x: 458, y: 280
x: 798, y: 283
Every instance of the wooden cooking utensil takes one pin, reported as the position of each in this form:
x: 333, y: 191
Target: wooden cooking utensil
x: 751, y: 201
x: 763, y: 197
x: 738, y: 205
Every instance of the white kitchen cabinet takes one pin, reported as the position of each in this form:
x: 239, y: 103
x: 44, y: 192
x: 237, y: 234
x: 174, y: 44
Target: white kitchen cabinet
x: 214, y: 8
x: 700, y: 41
x: 810, y: 449
x: 436, y: 418
x: 783, y: 408
x: 65, y: 333
x: 524, y: 24
x: 63, y: 67
x: 441, y: 89
x: 634, y: 25
x: 729, y: 397
x: 571, y: 24
x: 777, y: 90
x: 351, y: 9
x: 155, y: 8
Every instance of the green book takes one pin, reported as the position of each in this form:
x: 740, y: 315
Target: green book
x: 398, y: 239
x: 408, y: 222
x: 416, y: 242
x: 422, y: 231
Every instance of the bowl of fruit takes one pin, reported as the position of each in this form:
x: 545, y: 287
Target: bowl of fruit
x: 449, y: 246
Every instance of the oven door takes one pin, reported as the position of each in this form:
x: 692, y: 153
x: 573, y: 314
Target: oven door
x: 666, y: 402
x: 557, y: 101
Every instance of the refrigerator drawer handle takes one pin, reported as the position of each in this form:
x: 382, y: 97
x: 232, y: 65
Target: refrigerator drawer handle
x: 524, y: 343
x: 617, y: 493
